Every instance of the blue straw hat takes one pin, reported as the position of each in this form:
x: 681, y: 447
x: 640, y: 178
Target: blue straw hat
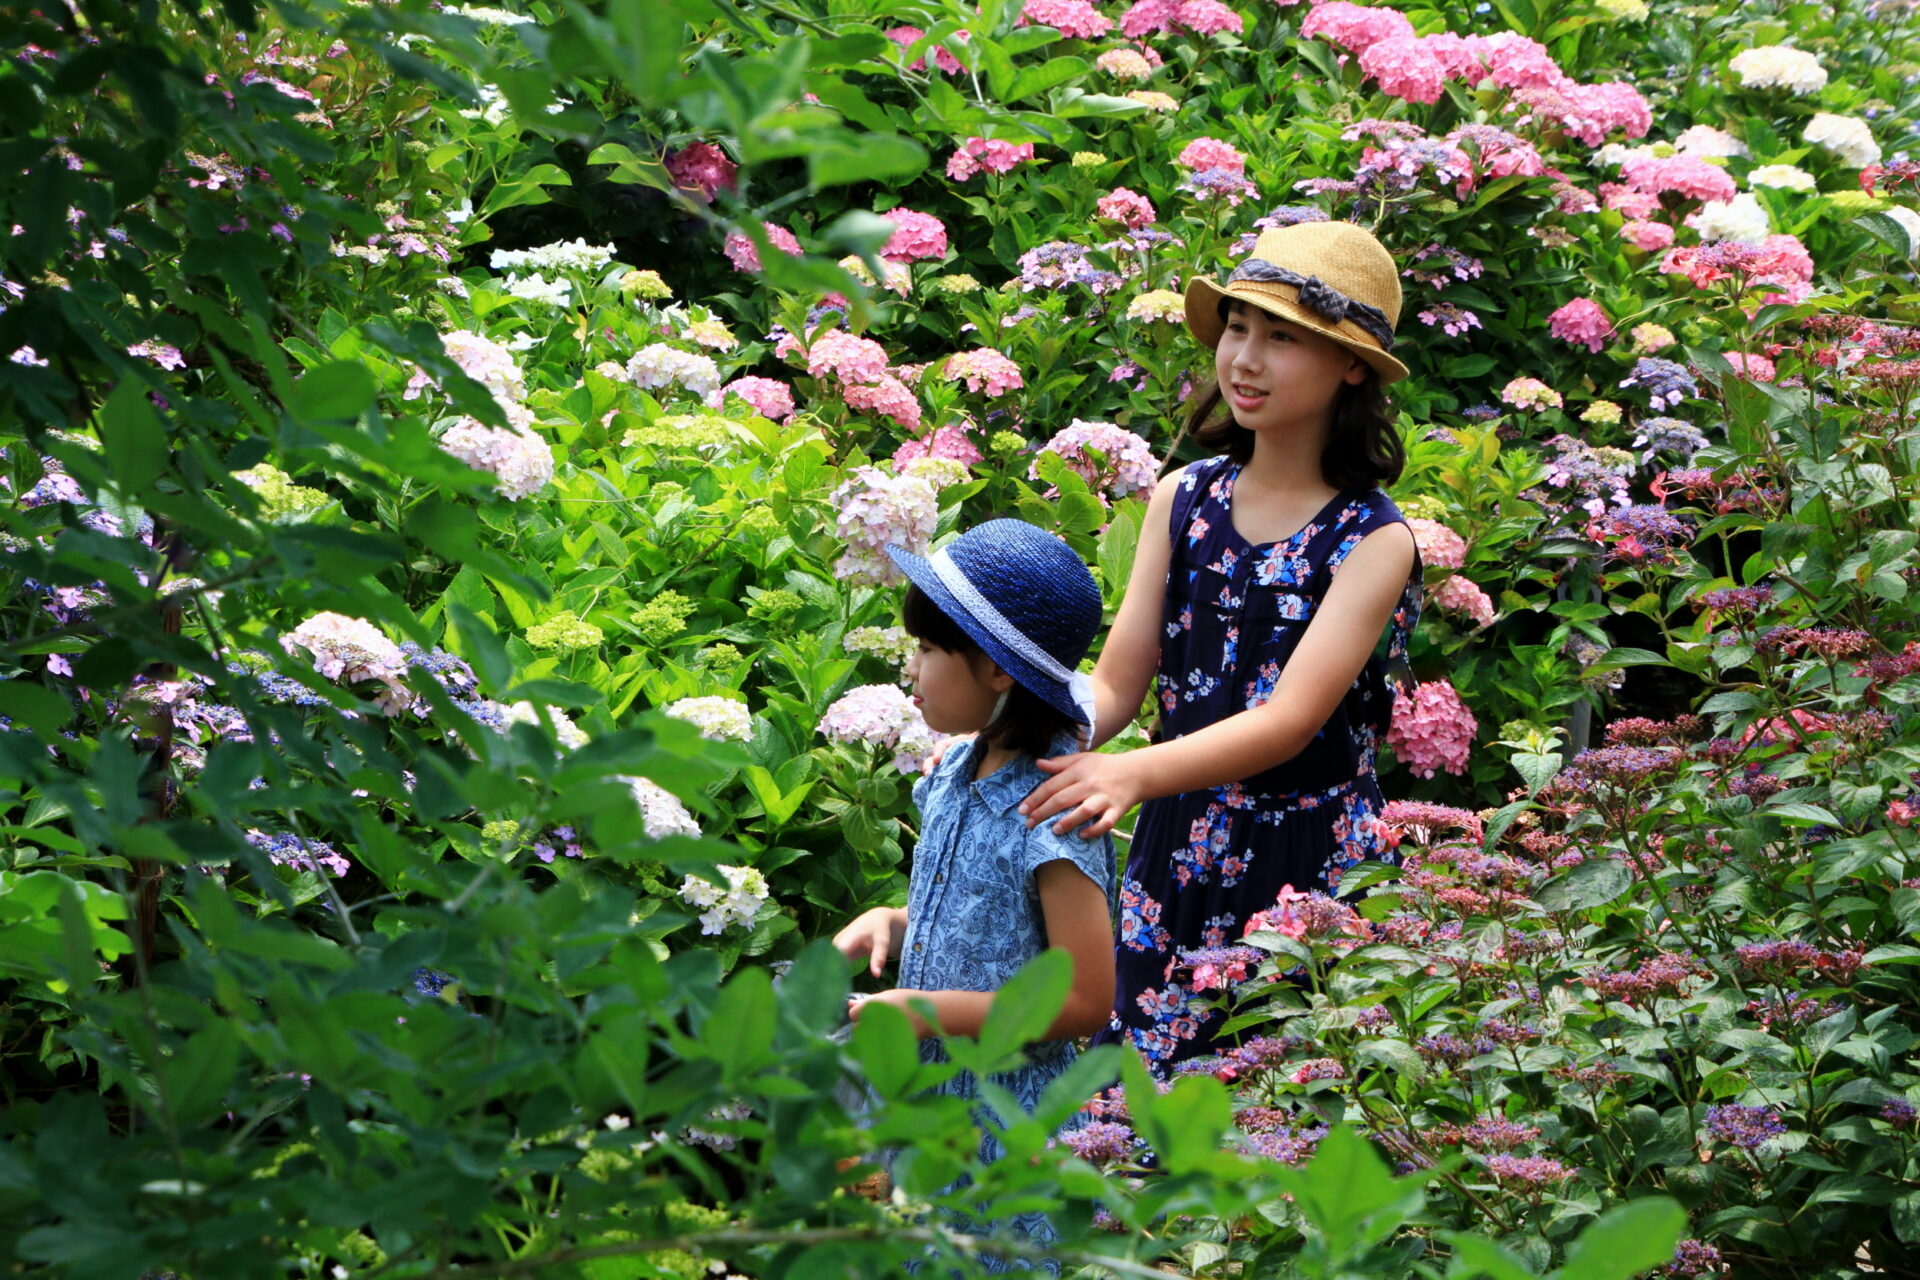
x: 1025, y: 598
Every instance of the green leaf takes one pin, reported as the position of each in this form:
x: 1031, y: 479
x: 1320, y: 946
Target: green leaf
x: 1802, y: 815
x: 41, y: 709
x: 885, y: 1047
x: 1626, y: 1240
x: 1593, y: 883
x: 1027, y: 1005
x: 195, y: 1079
x: 341, y: 389
x: 1888, y: 231
x: 136, y: 443
x: 864, y: 157
x: 739, y: 1031
x: 1624, y: 656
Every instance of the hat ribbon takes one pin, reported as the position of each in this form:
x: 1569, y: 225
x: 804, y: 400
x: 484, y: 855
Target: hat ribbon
x: 1318, y: 296
x: 1079, y: 687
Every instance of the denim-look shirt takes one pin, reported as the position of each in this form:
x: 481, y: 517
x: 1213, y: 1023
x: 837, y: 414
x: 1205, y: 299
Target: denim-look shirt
x: 973, y: 909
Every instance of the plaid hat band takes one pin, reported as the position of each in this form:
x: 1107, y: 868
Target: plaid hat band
x: 1319, y: 297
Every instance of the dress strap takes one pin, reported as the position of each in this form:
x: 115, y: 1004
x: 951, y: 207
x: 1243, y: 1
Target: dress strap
x: 1366, y: 514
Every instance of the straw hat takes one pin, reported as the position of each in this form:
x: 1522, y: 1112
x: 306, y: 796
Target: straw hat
x: 1331, y: 277
x: 1025, y: 598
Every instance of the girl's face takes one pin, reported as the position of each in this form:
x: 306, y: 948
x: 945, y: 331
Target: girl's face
x: 1274, y: 373
x: 955, y: 691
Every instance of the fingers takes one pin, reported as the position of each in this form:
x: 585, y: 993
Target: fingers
x: 879, y: 961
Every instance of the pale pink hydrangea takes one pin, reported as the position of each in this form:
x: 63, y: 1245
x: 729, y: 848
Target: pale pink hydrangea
x: 481, y: 358
x: 1705, y: 140
x: 1581, y: 322
x: 847, y: 357
x: 744, y: 256
x: 165, y: 355
x: 916, y: 237
x: 888, y: 397
x: 1149, y: 18
x: 702, y: 169
x: 520, y: 461
x: 1530, y: 393
x: 882, y: 716
x: 1076, y: 18
x: 1754, y: 368
x: 1628, y: 202
x: 1210, y: 153
x: 1354, y: 27
x: 905, y: 37
x: 1124, y: 64
x: 984, y: 369
x: 1406, y: 68
x: 770, y: 397
x: 1648, y: 237
x: 876, y: 509
x: 1431, y: 729
x: 949, y: 442
x: 661, y: 813
x: 1128, y: 208
x: 993, y: 155
x: 1590, y: 112
x: 720, y: 719
x: 1456, y: 594
x: 1440, y: 547
x: 1129, y: 467
x: 1208, y: 17
x: 660, y: 365
x: 1515, y: 62
x: 346, y: 649
x: 1689, y: 176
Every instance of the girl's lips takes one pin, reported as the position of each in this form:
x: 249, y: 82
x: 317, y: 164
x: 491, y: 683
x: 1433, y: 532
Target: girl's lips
x: 1244, y: 399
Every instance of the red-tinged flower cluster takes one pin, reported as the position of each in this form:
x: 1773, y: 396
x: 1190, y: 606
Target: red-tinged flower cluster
x: 1885, y: 668
x: 1639, y: 534
x: 1422, y: 821
x: 1312, y: 917
x: 1738, y: 491
x: 1670, y: 974
x: 905, y: 38
x: 1779, y: 961
x: 1581, y: 322
x: 701, y: 169
x: 1432, y: 729
x: 1901, y: 173
x: 744, y: 256
x: 1778, y: 260
x: 1638, y: 731
x: 916, y: 237
x: 1318, y: 1069
x: 1687, y: 176
x: 986, y: 155
x: 1488, y: 1133
x: 1128, y: 208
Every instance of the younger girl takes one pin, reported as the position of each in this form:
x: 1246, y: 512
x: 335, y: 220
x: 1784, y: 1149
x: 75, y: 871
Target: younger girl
x: 1003, y: 615
x: 1263, y: 581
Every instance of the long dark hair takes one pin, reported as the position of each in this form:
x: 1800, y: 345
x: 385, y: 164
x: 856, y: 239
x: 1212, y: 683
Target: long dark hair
x: 1027, y: 723
x: 1363, y: 448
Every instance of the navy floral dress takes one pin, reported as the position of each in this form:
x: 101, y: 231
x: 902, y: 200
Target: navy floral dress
x: 1203, y: 862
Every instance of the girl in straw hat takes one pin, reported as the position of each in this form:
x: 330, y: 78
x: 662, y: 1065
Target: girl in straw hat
x: 1264, y: 581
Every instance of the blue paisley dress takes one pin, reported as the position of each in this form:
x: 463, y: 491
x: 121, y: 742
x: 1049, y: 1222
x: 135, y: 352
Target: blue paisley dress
x: 1203, y: 862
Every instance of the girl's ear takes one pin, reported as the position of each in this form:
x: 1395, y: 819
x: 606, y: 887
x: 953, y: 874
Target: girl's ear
x: 1356, y: 372
x: 999, y: 681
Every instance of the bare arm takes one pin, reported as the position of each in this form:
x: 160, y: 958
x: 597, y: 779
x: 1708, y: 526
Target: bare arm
x: 1097, y: 790
x: 1132, y: 650
x: 1077, y: 922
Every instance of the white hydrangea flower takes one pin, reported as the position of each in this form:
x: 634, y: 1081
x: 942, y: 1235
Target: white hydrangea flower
x: 1740, y: 218
x: 1705, y: 140
x: 881, y: 715
x: 537, y: 288
x: 737, y: 904
x: 875, y: 510
x: 490, y: 16
x: 493, y: 108
x: 661, y: 813
x: 488, y: 363
x: 660, y: 365
x: 562, y: 255
x: 1778, y: 66
x: 346, y: 649
x: 570, y: 734
x: 521, y: 462
x: 721, y: 719
x: 1848, y: 137
x: 1783, y: 177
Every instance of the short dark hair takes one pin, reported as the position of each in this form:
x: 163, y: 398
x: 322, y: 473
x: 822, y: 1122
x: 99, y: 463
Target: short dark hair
x: 1363, y: 449
x: 1027, y: 723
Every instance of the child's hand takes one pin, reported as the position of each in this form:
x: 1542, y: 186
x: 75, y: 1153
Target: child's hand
x: 1093, y: 790
x: 872, y: 935
x: 898, y: 998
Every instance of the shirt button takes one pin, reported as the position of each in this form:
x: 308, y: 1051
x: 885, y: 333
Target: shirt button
x: 916, y: 946
x: 940, y: 878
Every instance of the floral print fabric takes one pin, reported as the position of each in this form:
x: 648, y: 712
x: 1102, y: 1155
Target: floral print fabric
x: 1203, y: 862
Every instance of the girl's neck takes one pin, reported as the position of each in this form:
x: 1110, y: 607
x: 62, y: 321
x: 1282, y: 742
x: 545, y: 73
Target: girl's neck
x: 1288, y: 462
x: 990, y: 758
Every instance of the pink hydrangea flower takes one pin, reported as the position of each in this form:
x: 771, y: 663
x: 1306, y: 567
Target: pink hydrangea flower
x: 916, y: 236
x: 1628, y: 201
x: 984, y: 369
x: 1149, y: 18
x: 1208, y: 17
x: 1440, y: 547
x: 905, y: 38
x: 1211, y: 153
x: 1648, y: 237
x: 880, y: 715
x: 1581, y: 321
x: 1128, y: 208
x: 1354, y: 27
x: 1076, y: 18
x: 1405, y: 67
x: 1129, y: 467
x: 1690, y: 176
x: 701, y: 169
x: 991, y: 155
x: 1459, y: 595
x: 770, y: 397
x: 1754, y: 368
x: 847, y: 357
x: 1515, y: 62
x: 950, y: 442
x: 744, y: 257
x: 1431, y: 729
x: 877, y: 510
x: 887, y: 396
x: 1595, y: 110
